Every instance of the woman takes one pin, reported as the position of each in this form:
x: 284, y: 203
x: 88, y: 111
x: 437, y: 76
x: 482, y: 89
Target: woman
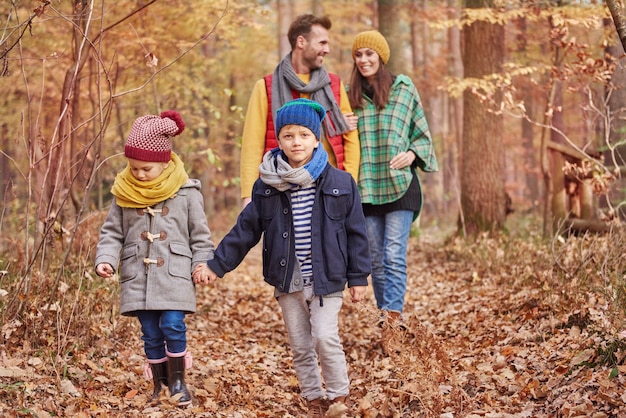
x: 395, y: 140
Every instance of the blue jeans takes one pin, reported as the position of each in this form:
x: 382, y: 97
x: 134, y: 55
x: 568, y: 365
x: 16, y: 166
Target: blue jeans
x: 163, y: 330
x: 388, y: 237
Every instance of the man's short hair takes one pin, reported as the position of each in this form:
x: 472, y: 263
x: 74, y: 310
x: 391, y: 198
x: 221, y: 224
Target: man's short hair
x: 302, y: 25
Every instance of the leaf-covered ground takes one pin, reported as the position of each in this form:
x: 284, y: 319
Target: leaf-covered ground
x: 489, y: 336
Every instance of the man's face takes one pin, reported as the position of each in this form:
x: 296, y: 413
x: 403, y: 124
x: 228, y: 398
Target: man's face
x: 315, y: 49
x: 298, y: 143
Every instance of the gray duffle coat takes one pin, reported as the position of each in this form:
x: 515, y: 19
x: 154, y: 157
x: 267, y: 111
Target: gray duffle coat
x: 155, y: 250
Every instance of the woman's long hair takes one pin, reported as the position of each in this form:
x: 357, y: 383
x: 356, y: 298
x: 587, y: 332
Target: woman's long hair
x: 379, y: 85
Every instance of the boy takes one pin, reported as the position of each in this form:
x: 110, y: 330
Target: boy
x: 314, y: 242
x: 156, y: 231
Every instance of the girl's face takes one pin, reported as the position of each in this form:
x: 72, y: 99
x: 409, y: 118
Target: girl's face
x: 367, y: 61
x: 145, y: 170
x: 298, y: 144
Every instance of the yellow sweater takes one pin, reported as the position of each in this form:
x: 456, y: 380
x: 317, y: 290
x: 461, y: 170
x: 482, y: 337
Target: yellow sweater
x: 253, y: 140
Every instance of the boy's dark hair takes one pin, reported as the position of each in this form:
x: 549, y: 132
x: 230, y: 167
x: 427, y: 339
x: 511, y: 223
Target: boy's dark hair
x: 301, y: 26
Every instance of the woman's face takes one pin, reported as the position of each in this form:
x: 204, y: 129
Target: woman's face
x: 367, y: 61
x: 145, y: 170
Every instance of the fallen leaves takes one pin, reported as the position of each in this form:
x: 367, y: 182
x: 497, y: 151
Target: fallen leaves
x: 488, y: 336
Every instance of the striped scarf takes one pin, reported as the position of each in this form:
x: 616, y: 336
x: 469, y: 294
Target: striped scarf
x: 285, y: 78
x: 276, y: 172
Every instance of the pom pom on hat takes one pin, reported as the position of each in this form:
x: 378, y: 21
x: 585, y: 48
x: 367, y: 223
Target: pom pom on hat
x: 301, y: 112
x: 149, y: 137
x: 374, y: 40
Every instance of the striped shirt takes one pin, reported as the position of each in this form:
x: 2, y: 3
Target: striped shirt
x: 302, y: 199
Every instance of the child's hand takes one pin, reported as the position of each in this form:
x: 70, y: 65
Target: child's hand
x: 357, y: 293
x: 203, y: 274
x: 105, y: 270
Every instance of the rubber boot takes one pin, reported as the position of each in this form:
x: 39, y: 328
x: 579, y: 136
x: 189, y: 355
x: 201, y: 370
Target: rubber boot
x: 159, y: 377
x: 176, y: 378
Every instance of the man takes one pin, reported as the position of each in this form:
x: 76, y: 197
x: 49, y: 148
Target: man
x: 300, y: 74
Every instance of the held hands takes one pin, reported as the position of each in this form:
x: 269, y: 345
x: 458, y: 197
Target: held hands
x: 404, y: 159
x: 202, y: 274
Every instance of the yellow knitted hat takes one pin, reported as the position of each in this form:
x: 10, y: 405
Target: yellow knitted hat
x: 374, y: 40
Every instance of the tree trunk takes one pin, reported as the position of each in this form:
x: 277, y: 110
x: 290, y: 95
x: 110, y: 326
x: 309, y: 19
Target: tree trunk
x: 615, y: 7
x: 454, y: 137
x: 483, y: 198
x: 616, y: 102
x: 284, y: 13
x: 561, y: 205
x: 530, y: 164
x: 389, y: 20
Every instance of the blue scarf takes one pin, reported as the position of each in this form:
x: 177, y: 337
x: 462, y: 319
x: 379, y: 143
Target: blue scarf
x: 276, y: 172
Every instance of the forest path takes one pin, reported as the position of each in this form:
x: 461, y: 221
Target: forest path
x: 482, y: 342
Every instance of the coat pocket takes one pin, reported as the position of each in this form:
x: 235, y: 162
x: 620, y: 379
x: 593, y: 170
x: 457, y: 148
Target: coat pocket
x: 337, y: 203
x: 180, y: 260
x: 129, y: 265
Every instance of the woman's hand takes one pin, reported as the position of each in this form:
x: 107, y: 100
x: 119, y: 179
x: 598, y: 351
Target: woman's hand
x: 404, y: 159
x: 352, y: 120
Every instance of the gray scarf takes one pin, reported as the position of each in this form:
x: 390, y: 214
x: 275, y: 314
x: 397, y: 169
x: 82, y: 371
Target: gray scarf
x: 284, y: 79
x: 275, y: 171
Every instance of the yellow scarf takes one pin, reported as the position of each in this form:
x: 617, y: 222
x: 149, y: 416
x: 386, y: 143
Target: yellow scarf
x: 132, y: 193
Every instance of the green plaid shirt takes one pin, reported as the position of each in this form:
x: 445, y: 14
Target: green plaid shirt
x: 401, y: 126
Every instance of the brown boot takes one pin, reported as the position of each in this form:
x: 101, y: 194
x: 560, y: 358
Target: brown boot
x: 339, y: 407
x: 317, y: 408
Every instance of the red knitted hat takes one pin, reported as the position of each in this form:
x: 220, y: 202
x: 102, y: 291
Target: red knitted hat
x: 149, y: 137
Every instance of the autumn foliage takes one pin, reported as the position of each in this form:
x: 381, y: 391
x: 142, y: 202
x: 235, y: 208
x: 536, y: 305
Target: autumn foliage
x: 506, y: 325
x: 519, y: 323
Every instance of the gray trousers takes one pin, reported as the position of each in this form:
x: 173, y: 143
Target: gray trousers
x: 313, y: 332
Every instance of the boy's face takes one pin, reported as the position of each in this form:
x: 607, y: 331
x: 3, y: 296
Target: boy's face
x: 145, y: 170
x: 298, y: 144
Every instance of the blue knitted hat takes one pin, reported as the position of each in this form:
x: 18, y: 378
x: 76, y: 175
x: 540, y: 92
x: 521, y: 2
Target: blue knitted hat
x: 301, y: 112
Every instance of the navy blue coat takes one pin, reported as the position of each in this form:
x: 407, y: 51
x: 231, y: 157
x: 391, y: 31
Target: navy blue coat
x: 339, y: 246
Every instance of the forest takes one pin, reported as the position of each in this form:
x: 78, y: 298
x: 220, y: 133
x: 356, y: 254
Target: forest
x: 517, y: 281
